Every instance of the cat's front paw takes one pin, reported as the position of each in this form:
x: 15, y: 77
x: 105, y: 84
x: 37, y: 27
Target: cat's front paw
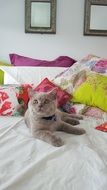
x: 75, y: 122
x: 57, y: 141
x: 76, y: 116
x: 81, y: 131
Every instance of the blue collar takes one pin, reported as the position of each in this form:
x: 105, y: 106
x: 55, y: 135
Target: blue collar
x: 53, y: 117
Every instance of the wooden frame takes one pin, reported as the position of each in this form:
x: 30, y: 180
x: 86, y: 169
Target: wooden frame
x: 87, y: 17
x: 39, y: 29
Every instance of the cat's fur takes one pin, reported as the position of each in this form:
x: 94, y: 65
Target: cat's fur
x: 43, y: 117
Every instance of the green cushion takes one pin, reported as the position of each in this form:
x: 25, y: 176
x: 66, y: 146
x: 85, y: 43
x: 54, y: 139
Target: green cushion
x: 2, y: 73
x: 93, y: 91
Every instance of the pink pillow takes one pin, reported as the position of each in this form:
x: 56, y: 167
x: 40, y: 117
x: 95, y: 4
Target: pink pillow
x: 100, y: 66
x: 62, y: 61
x: 62, y: 95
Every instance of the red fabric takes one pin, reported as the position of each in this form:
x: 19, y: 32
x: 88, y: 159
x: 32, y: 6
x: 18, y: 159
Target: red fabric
x: 11, y: 96
x: 46, y: 86
x: 102, y: 127
x: 23, y: 95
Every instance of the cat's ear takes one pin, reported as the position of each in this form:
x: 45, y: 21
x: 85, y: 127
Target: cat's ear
x: 53, y: 93
x: 31, y: 92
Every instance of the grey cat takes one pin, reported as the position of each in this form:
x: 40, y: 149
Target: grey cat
x: 43, y: 118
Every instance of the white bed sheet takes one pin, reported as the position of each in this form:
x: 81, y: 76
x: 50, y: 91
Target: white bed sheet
x: 30, y: 164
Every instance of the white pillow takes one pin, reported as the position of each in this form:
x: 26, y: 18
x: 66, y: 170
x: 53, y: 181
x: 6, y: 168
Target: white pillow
x: 8, y: 79
x: 26, y: 74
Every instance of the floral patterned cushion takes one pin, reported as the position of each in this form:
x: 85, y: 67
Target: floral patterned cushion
x: 66, y: 79
x: 100, y: 66
x: 62, y: 95
x: 11, y: 96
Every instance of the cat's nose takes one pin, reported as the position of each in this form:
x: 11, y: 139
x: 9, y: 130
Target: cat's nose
x: 39, y: 105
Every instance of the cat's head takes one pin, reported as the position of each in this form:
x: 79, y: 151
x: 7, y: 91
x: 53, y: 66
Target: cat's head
x: 42, y: 104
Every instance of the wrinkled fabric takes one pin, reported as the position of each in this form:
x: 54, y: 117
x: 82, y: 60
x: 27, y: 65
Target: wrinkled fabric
x: 28, y: 163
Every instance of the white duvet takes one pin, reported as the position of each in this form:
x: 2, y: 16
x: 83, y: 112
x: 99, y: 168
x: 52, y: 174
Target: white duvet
x: 30, y: 164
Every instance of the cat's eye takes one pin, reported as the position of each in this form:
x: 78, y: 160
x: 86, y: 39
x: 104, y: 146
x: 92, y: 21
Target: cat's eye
x: 35, y: 101
x: 46, y: 101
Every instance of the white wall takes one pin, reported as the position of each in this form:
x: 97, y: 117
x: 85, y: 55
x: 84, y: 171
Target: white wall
x: 68, y: 40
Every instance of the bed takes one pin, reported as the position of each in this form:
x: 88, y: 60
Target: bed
x: 28, y: 163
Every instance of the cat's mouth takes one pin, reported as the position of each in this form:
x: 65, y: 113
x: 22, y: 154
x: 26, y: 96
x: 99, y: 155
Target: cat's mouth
x: 40, y: 109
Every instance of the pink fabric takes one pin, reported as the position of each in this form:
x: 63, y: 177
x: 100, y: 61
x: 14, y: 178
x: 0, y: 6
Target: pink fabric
x: 62, y: 95
x: 100, y: 66
x: 62, y: 61
x: 94, y: 112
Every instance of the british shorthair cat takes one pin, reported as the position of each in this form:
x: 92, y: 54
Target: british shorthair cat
x: 43, y: 118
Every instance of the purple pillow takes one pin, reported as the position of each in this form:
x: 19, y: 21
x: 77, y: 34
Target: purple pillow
x: 62, y: 61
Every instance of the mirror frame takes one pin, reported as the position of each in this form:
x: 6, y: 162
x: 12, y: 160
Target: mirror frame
x: 87, y: 17
x: 29, y: 28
